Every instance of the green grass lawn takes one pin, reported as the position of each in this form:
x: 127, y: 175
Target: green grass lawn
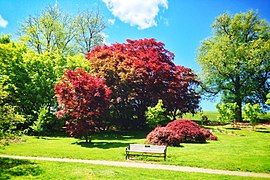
x: 243, y: 150
x: 22, y: 169
x: 212, y: 115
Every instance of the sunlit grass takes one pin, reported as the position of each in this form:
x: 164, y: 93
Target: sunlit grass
x: 243, y: 150
x: 20, y: 169
x: 211, y: 115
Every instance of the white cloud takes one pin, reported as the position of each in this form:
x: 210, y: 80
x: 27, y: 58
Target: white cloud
x: 3, y: 22
x: 141, y: 13
x: 111, y: 21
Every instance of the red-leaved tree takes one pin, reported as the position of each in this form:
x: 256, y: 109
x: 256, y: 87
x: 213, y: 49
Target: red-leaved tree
x: 82, y: 98
x: 139, y: 72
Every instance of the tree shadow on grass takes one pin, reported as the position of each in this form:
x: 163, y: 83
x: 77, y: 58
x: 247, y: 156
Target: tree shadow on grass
x: 120, y: 135
x: 102, y: 145
x: 260, y: 128
x: 10, y: 168
x: 47, y: 138
x: 263, y: 131
x: 233, y: 128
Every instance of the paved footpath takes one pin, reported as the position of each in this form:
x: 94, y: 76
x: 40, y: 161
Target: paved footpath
x: 144, y: 165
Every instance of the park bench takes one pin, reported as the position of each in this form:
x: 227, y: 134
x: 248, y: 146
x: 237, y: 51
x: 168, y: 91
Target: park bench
x: 145, y: 149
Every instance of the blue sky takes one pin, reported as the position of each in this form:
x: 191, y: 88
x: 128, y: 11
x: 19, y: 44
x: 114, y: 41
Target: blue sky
x: 181, y: 24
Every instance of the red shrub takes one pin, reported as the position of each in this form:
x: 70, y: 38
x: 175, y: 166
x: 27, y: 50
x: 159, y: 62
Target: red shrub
x: 189, y: 131
x: 163, y: 136
x: 208, y: 134
x: 179, y: 131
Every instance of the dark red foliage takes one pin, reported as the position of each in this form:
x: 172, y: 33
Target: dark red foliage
x: 163, y: 136
x: 188, y: 130
x: 79, y: 128
x: 81, y: 95
x: 179, y: 131
x: 82, y: 98
x: 140, y: 72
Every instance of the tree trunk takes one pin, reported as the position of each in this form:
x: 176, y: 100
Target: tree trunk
x: 87, y: 138
x: 239, y: 110
x: 238, y: 100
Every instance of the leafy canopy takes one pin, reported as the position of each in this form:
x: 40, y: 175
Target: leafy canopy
x: 235, y: 60
x: 139, y: 73
x: 226, y: 112
x: 82, y: 99
x: 251, y: 113
x: 56, y: 31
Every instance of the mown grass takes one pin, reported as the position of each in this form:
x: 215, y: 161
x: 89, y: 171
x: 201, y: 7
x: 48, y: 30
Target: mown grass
x: 22, y: 169
x: 211, y: 115
x: 243, y: 150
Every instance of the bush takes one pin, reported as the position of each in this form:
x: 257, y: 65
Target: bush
x: 264, y: 117
x: 179, y: 131
x: 226, y: 112
x: 251, y: 113
x: 156, y: 115
x: 46, y: 123
x: 163, y: 136
x: 189, y: 131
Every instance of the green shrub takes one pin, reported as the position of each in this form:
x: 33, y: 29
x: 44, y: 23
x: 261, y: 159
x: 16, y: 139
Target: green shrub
x: 156, y: 115
x: 264, y: 117
x: 226, y: 112
x: 268, y: 99
x: 9, y: 118
x: 46, y: 123
x: 204, y: 118
x: 38, y: 125
x: 251, y: 113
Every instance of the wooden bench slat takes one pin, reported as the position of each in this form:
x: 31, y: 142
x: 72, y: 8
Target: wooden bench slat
x: 145, y: 149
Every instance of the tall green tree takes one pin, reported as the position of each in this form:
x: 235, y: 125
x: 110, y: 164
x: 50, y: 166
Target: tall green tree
x: 30, y: 77
x: 236, y: 59
x: 53, y: 30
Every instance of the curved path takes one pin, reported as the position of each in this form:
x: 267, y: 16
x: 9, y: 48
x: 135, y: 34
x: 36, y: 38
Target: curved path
x: 144, y: 165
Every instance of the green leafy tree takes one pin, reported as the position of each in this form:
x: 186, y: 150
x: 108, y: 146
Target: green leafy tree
x: 226, y: 112
x: 235, y: 60
x: 54, y: 30
x: 30, y: 77
x: 9, y: 118
x: 4, y: 39
x: 156, y: 115
x: 251, y: 113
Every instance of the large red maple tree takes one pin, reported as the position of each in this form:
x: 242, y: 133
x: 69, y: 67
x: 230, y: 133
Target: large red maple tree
x: 139, y: 72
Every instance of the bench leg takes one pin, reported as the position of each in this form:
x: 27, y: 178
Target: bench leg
x: 127, y: 156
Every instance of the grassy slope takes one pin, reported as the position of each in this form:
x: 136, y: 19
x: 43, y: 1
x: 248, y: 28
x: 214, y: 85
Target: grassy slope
x: 21, y: 169
x: 212, y: 116
x: 243, y: 150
